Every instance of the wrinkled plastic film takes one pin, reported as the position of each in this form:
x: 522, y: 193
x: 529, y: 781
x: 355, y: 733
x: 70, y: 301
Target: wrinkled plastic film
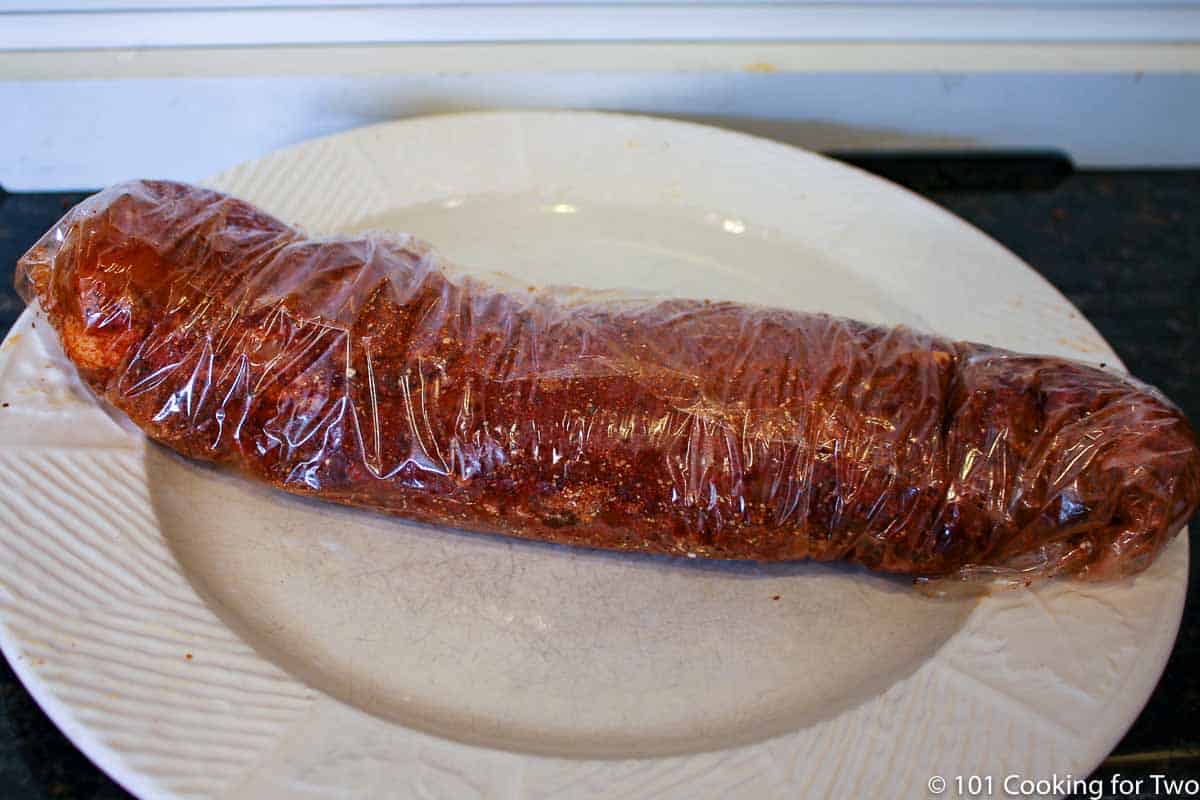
x: 364, y: 372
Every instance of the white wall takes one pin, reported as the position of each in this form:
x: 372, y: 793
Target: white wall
x: 93, y: 91
x: 78, y: 133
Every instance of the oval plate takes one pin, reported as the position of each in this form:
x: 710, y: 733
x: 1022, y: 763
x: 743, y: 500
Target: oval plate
x: 200, y: 636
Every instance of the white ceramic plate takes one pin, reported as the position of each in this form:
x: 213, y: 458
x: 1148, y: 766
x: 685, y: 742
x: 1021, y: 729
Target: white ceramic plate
x: 198, y: 636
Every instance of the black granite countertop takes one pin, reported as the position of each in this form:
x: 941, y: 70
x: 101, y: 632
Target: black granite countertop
x: 1123, y: 246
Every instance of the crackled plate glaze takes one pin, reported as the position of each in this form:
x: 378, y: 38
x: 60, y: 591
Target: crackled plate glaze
x: 200, y: 636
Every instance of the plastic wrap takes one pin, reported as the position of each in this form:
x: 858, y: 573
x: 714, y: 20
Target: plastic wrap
x: 363, y: 372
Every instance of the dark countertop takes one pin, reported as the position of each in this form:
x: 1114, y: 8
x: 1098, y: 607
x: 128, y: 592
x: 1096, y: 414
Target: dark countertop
x: 1123, y: 246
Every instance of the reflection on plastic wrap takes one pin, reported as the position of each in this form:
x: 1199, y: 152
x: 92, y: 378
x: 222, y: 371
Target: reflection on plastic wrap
x: 363, y: 372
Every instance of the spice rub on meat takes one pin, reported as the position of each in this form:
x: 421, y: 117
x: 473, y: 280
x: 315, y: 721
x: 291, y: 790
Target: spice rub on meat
x: 360, y: 371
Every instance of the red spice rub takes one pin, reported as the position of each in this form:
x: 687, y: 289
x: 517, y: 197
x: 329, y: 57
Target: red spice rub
x: 359, y: 371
